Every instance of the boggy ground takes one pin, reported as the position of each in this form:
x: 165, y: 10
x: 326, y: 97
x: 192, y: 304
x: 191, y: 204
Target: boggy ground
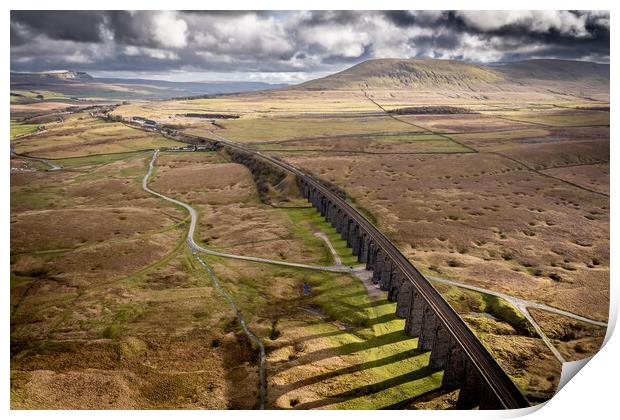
x: 115, y: 314
x: 157, y: 339
x: 574, y: 339
x: 509, y: 199
x: 519, y: 190
x: 510, y: 338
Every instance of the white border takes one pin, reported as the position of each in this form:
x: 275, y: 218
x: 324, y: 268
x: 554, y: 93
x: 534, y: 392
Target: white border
x: 592, y: 394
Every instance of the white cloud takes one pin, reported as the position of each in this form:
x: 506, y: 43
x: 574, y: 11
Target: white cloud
x: 343, y: 41
x: 156, y: 53
x: 169, y: 30
x: 249, y: 33
x: 539, y: 21
x: 295, y: 43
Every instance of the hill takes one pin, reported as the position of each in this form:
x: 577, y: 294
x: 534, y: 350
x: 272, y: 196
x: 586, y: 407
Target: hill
x: 431, y: 74
x: 411, y: 73
x: 51, y: 77
x: 566, y: 70
x: 72, y: 85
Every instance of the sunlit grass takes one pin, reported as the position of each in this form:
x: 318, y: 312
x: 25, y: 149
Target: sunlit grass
x: 19, y: 129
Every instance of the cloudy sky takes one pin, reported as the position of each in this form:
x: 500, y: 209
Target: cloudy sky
x: 290, y: 46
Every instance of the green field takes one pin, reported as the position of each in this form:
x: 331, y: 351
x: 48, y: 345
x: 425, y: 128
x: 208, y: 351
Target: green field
x: 378, y: 364
x: 19, y: 129
x: 80, y: 135
x: 307, y: 221
x: 29, y: 96
x: 278, y: 128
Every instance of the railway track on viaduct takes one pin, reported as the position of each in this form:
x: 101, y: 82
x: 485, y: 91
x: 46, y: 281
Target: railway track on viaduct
x: 453, y: 347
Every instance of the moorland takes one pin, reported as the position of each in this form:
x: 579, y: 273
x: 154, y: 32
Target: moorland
x: 492, y: 180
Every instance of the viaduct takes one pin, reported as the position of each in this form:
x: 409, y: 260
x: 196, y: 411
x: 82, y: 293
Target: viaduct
x: 453, y: 347
x: 466, y: 363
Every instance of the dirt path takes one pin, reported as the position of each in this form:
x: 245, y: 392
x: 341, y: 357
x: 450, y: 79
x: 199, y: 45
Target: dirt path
x: 325, y: 239
x: 522, y: 306
x: 52, y: 166
x: 196, y: 247
x: 360, y: 271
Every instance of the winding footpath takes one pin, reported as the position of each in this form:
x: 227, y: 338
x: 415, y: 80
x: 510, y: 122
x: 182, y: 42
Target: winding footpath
x: 196, y: 247
x: 331, y: 248
x: 52, y: 165
x: 262, y: 365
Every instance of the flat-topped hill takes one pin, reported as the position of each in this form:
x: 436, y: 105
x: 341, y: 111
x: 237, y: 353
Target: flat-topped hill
x: 431, y: 74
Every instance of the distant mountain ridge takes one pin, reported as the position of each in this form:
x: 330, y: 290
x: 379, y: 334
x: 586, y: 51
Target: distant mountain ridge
x: 81, y: 85
x: 197, y: 87
x: 547, y: 69
x: 52, y: 76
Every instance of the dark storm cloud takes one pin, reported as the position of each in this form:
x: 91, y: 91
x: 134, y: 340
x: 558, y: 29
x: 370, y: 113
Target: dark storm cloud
x: 78, y: 26
x: 402, y: 18
x: 339, y: 17
x: 130, y: 29
x: 445, y: 41
x: 294, y: 42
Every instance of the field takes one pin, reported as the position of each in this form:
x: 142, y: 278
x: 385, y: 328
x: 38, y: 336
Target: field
x: 90, y: 302
x: 542, y: 235
x: 275, y: 102
x: 81, y: 135
x: 18, y: 129
x: 523, y: 211
x: 110, y: 309
x: 19, y: 96
x: 509, y: 337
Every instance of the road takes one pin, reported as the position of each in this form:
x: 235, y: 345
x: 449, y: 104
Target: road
x: 196, y: 247
x: 52, y: 165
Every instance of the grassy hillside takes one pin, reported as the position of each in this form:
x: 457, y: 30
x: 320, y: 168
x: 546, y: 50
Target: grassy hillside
x: 390, y: 73
x: 561, y: 70
x: 432, y: 74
